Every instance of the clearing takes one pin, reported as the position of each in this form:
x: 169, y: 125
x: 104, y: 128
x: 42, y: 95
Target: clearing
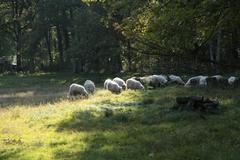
x: 37, y: 121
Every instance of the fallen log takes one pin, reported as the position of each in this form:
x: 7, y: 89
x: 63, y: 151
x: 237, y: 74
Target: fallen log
x: 195, y: 103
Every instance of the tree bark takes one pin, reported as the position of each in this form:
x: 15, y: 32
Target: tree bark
x: 211, y: 53
x: 129, y: 57
x: 235, y: 44
x: 48, y: 38
x: 60, y: 44
x: 218, y: 52
x: 16, y: 14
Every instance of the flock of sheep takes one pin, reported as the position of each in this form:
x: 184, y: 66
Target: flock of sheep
x: 117, y: 85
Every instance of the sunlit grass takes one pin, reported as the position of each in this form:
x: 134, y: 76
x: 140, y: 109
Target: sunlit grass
x: 141, y: 125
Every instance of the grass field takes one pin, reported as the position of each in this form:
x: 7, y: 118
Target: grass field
x: 37, y: 121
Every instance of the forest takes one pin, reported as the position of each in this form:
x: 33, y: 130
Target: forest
x: 112, y: 36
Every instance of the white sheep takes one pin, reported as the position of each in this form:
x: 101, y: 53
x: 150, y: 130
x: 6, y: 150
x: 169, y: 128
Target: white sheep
x: 231, y: 80
x: 76, y: 89
x: 164, y: 76
x: 120, y: 82
x: 221, y: 81
x: 89, y: 86
x: 106, y: 83
x: 197, y: 81
x: 176, y: 79
x: 218, y: 77
x: 203, y: 81
x: 157, y: 80
x: 234, y: 81
x: 142, y: 80
x: 134, y: 84
x: 113, y: 87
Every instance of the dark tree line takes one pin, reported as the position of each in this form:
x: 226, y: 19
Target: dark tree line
x: 115, y: 35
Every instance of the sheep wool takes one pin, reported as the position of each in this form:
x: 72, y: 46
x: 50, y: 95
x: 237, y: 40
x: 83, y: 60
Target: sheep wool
x: 89, y: 86
x: 120, y: 82
x: 157, y: 80
x: 76, y: 89
x: 231, y: 80
x: 218, y: 77
x: 134, y: 84
x: 197, y: 80
x: 106, y: 83
x: 113, y: 87
x: 176, y: 79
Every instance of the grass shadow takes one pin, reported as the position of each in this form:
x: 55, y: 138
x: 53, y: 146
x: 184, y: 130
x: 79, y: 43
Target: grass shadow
x: 31, y: 96
x: 9, y: 153
x: 149, y: 131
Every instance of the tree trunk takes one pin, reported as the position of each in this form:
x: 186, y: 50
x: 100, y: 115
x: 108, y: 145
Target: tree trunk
x: 119, y: 62
x: 66, y: 38
x: 129, y: 57
x: 48, y: 38
x: 66, y: 42
x: 218, y: 51
x: 16, y: 14
x: 211, y: 53
x: 60, y: 44
x: 235, y: 43
x: 19, y: 61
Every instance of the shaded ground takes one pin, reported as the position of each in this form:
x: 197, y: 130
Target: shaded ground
x: 39, y: 88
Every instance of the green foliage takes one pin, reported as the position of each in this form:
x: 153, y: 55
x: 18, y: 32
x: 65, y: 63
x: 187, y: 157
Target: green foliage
x: 121, y: 34
x: 93, y: 43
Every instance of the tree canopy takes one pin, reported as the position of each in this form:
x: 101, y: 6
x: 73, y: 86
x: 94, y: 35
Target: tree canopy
x: 121, y: 35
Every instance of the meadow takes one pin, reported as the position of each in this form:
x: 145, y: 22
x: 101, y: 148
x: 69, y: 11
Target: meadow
x: 39, y: 122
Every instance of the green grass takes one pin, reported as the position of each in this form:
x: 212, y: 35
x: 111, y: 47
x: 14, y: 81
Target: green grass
x: 37, y: 121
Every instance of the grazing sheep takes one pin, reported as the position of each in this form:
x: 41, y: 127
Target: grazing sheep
x: 164, y: 76
x: 89, y: 86
x: 157, y: 80
x: 217, y: 81
x: 231, y: 80
x: 203, y: 81
x: 76, y: 89
x: 113, y: 87
x: 234, y: 81
x: 134, y: 84
x: 212, y: 81
x: 120, y: 82
x: 106, y: 83
x: 221, y: 81
x: 197, y: 81
x: 176, y: 79
x: 218, y: 77
x: 142, y: 80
